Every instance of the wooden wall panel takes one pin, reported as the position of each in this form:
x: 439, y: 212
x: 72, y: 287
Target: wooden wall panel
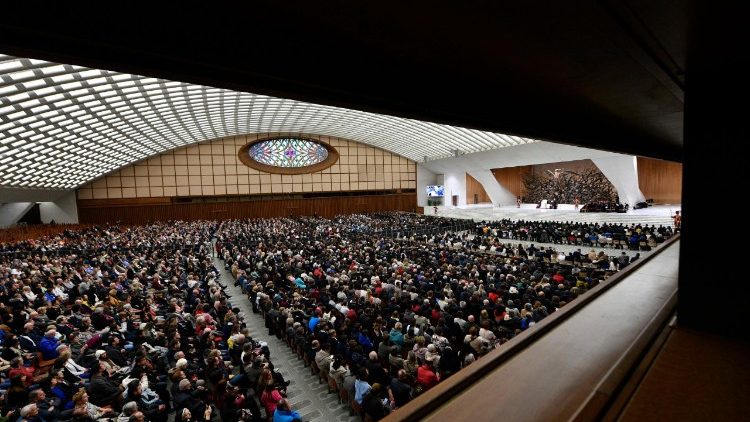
x: 214, y: 168
x: 660, y: 180
x: 511, y: 178
x: 474, y: 187
x: 325, y: 207
x: 17, y: 234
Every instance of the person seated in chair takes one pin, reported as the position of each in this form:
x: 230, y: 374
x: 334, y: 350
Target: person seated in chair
x: 102, y: 390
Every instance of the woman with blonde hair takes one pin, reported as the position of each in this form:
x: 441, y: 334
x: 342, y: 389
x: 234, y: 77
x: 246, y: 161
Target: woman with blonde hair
x: 419, y: 348
x: 82, y: 406
x: 410, y: 364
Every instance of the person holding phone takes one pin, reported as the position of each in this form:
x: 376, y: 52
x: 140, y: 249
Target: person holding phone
x: 376, y: 403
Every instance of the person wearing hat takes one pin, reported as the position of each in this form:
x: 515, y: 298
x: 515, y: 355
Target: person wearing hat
x: 109, y: 367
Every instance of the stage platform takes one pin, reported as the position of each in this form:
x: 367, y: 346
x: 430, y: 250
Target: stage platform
x: 656, y: 215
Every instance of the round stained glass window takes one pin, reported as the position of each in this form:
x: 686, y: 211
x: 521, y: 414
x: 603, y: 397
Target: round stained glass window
x: 288, y: 155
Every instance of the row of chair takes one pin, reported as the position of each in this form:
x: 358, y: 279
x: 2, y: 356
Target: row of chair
x: 323, y: 378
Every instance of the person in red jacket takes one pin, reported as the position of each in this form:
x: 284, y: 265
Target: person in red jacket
x: 426, y: 376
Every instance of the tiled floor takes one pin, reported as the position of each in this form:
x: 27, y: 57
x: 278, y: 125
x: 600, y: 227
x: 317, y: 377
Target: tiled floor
x: 310, y: 398
x: 659, y: 214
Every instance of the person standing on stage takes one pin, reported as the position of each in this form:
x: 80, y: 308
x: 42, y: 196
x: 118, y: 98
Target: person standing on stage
x: 577, y: 201
x: 518, y: 201
x: 677, y: 220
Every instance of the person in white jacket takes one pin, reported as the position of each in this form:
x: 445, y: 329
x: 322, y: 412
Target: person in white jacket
x: 71, y: 365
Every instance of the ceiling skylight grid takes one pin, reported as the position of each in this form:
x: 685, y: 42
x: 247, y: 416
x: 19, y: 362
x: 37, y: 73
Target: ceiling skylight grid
x: 82, y: 123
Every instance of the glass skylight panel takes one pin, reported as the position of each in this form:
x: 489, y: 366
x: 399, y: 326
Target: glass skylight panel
x: 104, y: 90
x: 17, y: 115
x: 8, y: 89
x: 18, y: 97
x: 144, y: 116
x: 9, y: 65
x: 78, y: 93
x: 17, y: 76
x: 58, y: 79
x: 98, y: 81
x: 29, y: 85
x: 40, y: 109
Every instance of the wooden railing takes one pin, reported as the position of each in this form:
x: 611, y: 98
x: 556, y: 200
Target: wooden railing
x: 489, y: 388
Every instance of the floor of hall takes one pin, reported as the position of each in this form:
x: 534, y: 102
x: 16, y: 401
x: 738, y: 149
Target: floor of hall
x: 306, y: 395
x: 657, y: 214
x: 312, y: 400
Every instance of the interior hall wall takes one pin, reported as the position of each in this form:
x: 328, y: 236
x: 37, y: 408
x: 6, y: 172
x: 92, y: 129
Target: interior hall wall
x: 474, y: 187
x: 143, y: 210
x: 63, y: 210
x: 425, y: 177
x: 213, y: 168
x: 576, y: 166
x: 660, y: 180
x: 511, y: 178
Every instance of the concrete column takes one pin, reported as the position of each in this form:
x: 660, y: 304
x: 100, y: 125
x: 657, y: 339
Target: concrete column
x: 497, y: 193
x: 12, y: 212
x: 63, y: 210
x: 622, y: 171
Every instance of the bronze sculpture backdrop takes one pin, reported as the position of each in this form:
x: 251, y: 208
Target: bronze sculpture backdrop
x: 562, y: 186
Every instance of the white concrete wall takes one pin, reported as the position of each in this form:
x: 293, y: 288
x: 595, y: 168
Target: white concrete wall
x: 425, y: 177
x: 62, y: 210
x: 455, y: 184
x: 622, y: 171
x: 519, y: 155
x: 497, y: 193
x: 11, y: 212
x: 8, y: 195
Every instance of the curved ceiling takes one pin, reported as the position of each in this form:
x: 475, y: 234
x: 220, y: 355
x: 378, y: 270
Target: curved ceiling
x: 64, y: 125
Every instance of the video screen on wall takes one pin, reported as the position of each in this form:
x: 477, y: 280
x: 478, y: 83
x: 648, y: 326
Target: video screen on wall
x: 435, y: 190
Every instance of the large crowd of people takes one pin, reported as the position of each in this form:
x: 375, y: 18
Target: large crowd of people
x: 133, y: 323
